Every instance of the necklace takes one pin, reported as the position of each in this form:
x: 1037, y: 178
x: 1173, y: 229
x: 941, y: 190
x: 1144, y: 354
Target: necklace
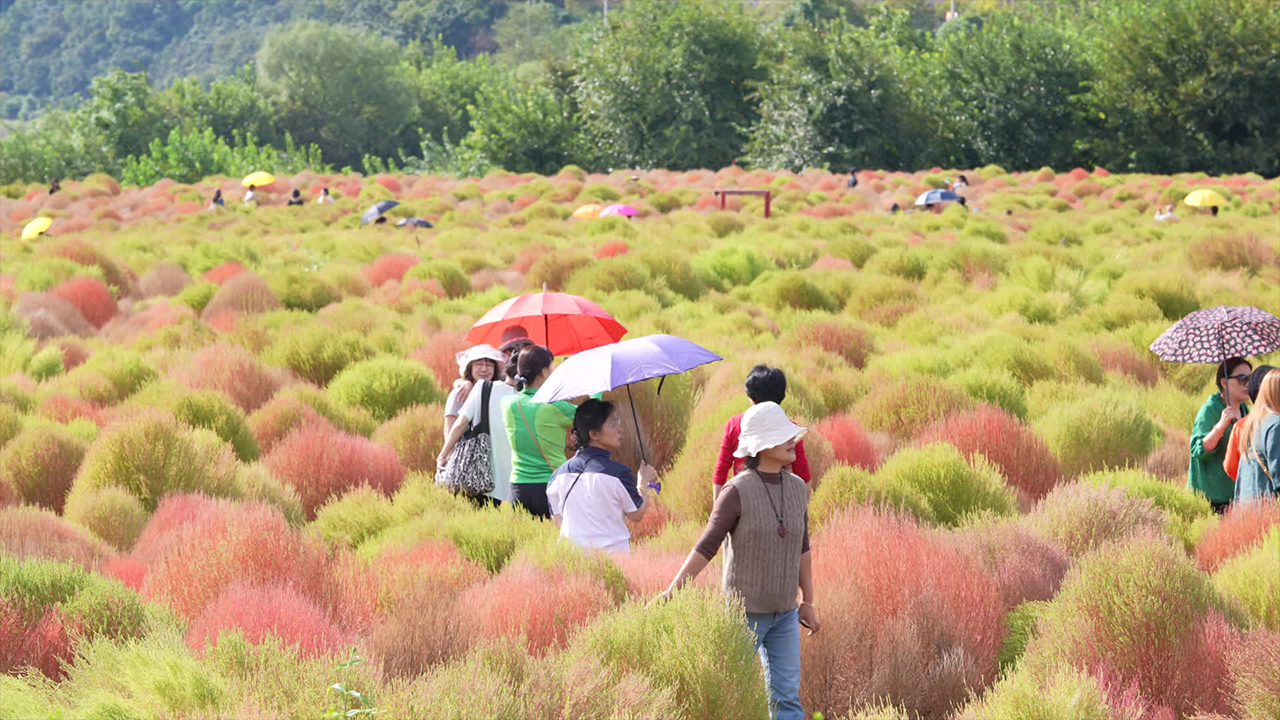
x: 782, y: 528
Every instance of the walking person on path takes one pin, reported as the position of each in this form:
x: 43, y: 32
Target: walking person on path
x: 764, y: 513
x: 764, y: 384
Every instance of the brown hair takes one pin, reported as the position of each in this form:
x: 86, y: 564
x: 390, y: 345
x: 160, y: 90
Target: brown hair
x: 497, y: 371
x: 1268, y: 402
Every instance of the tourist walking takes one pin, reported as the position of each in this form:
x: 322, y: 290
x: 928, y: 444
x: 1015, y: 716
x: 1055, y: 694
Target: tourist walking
x: 763, y: 384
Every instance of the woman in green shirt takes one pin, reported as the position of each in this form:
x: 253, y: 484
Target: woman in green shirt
x: 537, y: 432
x: 1211, y: 434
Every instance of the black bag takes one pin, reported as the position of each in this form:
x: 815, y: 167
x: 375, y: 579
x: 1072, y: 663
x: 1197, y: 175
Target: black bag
x: 469, y: 471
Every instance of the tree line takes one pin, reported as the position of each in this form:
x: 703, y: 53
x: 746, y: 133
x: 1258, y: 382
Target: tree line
x: 1157, y: 86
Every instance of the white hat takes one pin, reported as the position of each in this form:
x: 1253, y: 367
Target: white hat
x: 478, y: 352
x: 765, y: 425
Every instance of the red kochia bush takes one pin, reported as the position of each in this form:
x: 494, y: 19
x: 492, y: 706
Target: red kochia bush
x: 254, y: 544
x: 321, y: 462
x: 256, y: 611
x: 1023, y: 458
x: 91, y: 296
x: 36, y: 533
x: 219, y: 274
x: 439, y: 356
x: 612, y: 248
x: 909, y: 618
x: 1126, y: 360
x: 391, y: 266
x: 849, y: 441
x: 1242, y: 527
x: 42, y: 643
x: 40, y: 462
x: 542, y: 606
x: 846, y: 341
x: 233, y: 371
x: 1024, y: 565
x: 282, y: 415
x: 173, y: 512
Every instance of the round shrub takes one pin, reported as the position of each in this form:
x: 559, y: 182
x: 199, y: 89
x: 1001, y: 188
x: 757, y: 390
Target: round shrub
x: 544, y: 607
x: 791, y: 289
x: 1182, y: 507
x: 391, y: 266
x: 840, y: 338
x: 233, y: 371
x: 356, y: 516
x: 38, y: 533
x: 106, y: 378
x: 46, y: 364
x: 1241, y: 528
x: 1064, y: 693
x: 1140, y: 612
x: 1098, y: 432
x: 243, y: 293
x: 205, y: 409
x: 152, y: 455
x: 163, y: 279
x: 91, y: 296
x: 303, y: 290
x: 1082, y: 517
x: 729, y: 266
x: 1250, y: 580
x: 1024, y: 565
x: 256, y: 611
x: 257, y: 484
x: 317, y: 353
x: 449, y: 274
x: 321, y: 462
x: 301, y: 404
x: 111, y: 513
x: 902, y: 407
x: 950, y: 485
x: 416, y: 434
x: 1020, y: 455
x: 384, y: 386
x: 197, y: 296
x: 40, y: 464
x: 844, y: 487
x: 849, y: 441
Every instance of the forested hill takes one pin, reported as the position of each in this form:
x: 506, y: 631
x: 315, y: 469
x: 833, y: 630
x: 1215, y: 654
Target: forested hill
x: 51, y: 49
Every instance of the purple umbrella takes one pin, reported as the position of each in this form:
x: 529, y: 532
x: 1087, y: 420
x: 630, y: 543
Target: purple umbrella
x: 1214, y: 334
x: 619, y: 209
x: 611, y: 366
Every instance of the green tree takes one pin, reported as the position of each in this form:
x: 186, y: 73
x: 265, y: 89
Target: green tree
x: 1185, y: 85
x: 521, y: 129
x: 345, y: 90
x: 666, y: 84
x: 840, y: 97
x: 1010, y: 93
x: 445, y: 87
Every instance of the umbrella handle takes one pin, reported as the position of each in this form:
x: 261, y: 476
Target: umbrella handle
x: 631, y: 401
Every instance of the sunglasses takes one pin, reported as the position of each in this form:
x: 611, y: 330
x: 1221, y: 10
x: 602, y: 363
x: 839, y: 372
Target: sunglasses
x: 1242, y: 379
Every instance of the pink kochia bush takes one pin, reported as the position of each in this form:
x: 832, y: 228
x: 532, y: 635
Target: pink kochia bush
x: 1140, y: 617
x: 91, y: 296
x: 253, y: 544
x: 255, y: 611
x: 1024, y: 566
x: 233, y: 371
x: 1022, y: 457
x: 542, y: 606
x: 849, y: 441
x: 909, y: 618
x: 391, y: 266
x: 42, y: 643
x: 1242, y: 527
x: 321, y: 462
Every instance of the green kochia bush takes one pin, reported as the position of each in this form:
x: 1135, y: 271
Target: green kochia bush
x: 950, y: 485
x: 112, y: 513
x: 356, y: 516
x: 100, y: 606
x: 318, y: 353
x: 698, y: 643
x: 843, y: 486
x: 152, y: 455
x: 1097, y: 432
x: 729, y: 266
x: 492, y: 535
x: 1251, y: 580
x: 1082, y: 516
x: 1182, y: 507
x: 384, y: 386
x: 40, y: 463
x: 204, y: 409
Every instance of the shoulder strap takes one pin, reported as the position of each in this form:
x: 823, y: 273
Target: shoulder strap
x: 533, y: 435
x: 482, y: 427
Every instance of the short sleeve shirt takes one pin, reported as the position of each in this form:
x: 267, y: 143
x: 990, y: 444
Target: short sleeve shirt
x: 536, y: 429
x: 499, y: 443
x: 592, y: 493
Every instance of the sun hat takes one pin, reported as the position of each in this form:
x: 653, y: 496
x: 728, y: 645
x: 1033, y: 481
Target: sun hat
x: 478, y: 352
x: 765, y: 425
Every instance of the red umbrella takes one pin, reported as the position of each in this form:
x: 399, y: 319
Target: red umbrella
x: 565, y: 324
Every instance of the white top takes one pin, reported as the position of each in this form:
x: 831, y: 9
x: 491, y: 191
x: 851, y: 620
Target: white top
x: 499, y: 443
x: 249, y: 197
x: 593, y: 516
x: 454, y: 403
x: 323, y: 199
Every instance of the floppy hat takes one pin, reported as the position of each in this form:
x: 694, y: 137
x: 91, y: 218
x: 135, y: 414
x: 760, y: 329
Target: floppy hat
x: 478, y: 352
x: 764, y: 426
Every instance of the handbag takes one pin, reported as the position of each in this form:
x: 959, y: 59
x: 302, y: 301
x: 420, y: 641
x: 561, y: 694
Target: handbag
x: 469, y: 471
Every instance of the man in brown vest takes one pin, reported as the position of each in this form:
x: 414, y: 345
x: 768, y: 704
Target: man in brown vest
x: 764, y: 513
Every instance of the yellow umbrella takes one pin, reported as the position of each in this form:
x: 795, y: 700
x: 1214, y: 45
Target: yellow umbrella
x: 36, y: 227
x: 588, y: 211
x: 259, y: 178
x: 1205, y: 198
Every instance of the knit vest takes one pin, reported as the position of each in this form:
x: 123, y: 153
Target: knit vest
x: 759, y: 566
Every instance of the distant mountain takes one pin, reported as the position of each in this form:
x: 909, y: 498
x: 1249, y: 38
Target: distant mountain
x: 50, y: 50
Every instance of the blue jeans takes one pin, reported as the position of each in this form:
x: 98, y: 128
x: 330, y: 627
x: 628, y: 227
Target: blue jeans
x: 778, y: 642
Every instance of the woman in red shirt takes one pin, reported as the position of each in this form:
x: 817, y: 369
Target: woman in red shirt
x: 764, y: 384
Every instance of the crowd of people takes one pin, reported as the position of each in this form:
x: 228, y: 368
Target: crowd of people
x: 251, y: 197
x: 1235, y: 450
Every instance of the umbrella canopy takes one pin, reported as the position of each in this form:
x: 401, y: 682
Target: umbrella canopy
x: 258, y: 179
x: 611, y: 366
x: 414, y: 222
x: 619, y: 209
x: 588, y: 211
x: 1214, y: 334
x: 375, y: 211
x: 1205, y: 198
x: 565, y: 324
x: 36, y: 227
x: 936, y: 196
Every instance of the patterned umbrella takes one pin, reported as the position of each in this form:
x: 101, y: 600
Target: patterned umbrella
x: 1215, y: 334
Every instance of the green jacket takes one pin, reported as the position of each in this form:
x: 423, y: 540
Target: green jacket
x: 1206, y: 473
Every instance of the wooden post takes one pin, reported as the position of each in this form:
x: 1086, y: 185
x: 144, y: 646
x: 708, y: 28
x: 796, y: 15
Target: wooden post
x: 768, y: 196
